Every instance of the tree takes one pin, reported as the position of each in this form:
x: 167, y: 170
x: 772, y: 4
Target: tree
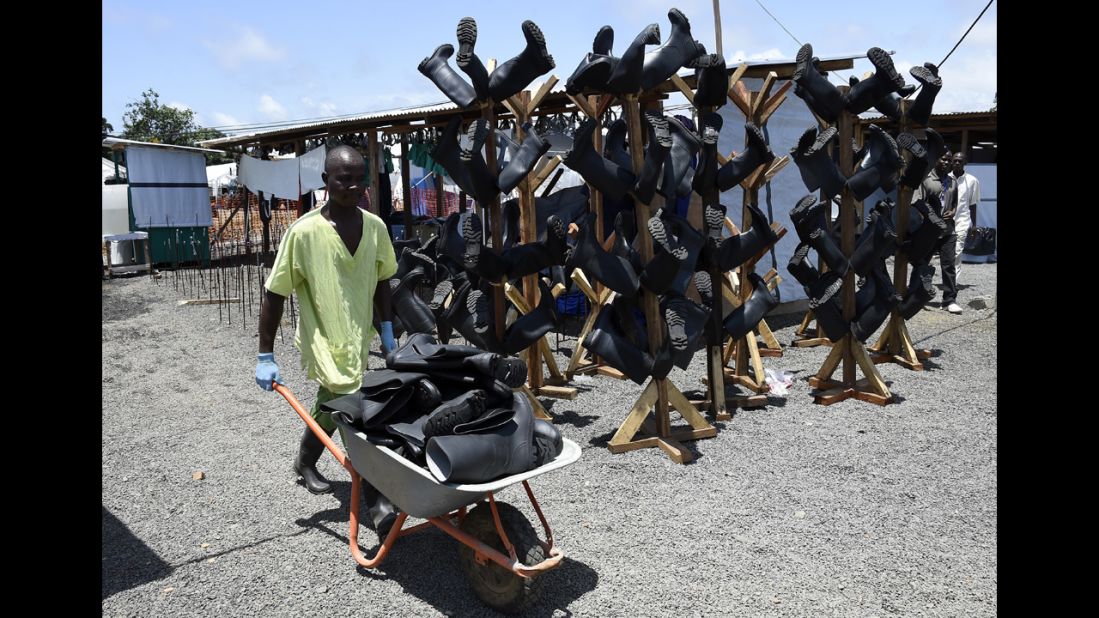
x: 107, y: 128
x: 150, y: 121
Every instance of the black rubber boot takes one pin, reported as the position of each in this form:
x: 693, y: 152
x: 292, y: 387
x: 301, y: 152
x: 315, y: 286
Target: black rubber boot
x: 822, y: 97
x: 591, y: 74
x: 880, y: 168
x: 528, y: 155
x: 614, y: 144
x: 625, y: 77
x: 920, y: 241
x: 382, y: 512
x: 425, y: 397
x: 448, y: 153
x: 436, y: 68
x: 920, y: 110
x: 800, y: 266
x: 875, y: 245
x: 872, y: 317
x: 607, y: 341
x: 677, y: 246
x: 414, y: 312
x: 548, y: 442
x: 611, y: 270
x: 825, y: 245
x: 711, y: 81
x: 656, y: 153
x: 442, y: 291
x: 686, y: 321
x: 448, y: 414
x: 824, y: 301
x: 705, y: 287
x: 480, y: 306
x: 478, y: 258
x: 676, y: 51
x: 755, y: 154
x: 745, y: 317
x: 515, y: 74
x: 817, y: 168
x: 309, y: 453
x: 605, y: 175
x: 505, y: 447
x: 934, y: 145
x: 468, y: 61
x: 458, y: 318
x: 529, y: 328
x: 706, y: 173
x: 863, y: 95
x: 916, y: 169
x: 807, y: 215
x: 685, y: 145
x: 890, y: 104
x: 735, y: 250
x: 484, y: 184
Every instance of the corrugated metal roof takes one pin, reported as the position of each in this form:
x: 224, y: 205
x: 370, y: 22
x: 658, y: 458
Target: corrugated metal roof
x: 417, y: 112
x: 118, y: 142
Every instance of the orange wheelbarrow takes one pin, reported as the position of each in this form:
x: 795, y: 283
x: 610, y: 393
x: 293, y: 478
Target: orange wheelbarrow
x: 500, y: 553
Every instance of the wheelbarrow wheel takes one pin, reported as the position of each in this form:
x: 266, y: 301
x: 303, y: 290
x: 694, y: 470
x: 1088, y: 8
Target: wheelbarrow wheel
x: 498, y: 587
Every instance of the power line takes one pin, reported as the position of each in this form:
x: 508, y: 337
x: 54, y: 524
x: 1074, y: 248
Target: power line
x: 967, y: 32
x: 779, y: 23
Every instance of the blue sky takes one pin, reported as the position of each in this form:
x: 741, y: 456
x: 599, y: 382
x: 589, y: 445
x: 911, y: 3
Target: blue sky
x: 237, y: 63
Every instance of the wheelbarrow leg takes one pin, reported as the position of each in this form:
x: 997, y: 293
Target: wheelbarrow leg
x: 391, y: 538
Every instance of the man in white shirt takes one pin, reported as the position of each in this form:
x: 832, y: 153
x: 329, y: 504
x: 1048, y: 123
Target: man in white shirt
x: 969, y: 193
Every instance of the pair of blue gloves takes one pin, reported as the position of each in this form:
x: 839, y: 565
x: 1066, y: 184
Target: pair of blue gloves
x: 267, y: 370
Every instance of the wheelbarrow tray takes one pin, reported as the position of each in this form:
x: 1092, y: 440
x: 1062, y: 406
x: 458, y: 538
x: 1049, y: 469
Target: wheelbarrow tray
x: 415, y: 491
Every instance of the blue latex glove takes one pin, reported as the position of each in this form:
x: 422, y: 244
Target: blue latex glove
x: 267, y: 371
x: 388, y: 342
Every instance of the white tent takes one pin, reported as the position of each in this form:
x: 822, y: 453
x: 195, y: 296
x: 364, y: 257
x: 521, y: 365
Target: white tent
x: 115, y: 215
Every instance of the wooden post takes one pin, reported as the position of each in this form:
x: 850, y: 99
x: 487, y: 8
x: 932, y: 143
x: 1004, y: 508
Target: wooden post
x: 299, y: 150
x: 406, y: 187
x: 488, y: 112
x: 373, y: 154
x: 528, y: 233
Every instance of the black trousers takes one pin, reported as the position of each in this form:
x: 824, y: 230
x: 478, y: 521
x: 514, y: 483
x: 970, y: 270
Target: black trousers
x: 946, y: 264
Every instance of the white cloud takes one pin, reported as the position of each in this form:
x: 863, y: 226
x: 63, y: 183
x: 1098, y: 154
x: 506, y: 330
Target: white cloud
x: 969, y: 83
x: 741, y: 55
x: 247, y: 45
x: 180, y: 106
x: 224, y: 120
x: 271, y: 108
x: 324, y: 108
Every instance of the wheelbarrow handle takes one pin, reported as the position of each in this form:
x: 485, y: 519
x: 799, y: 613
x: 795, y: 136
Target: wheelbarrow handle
x: 314, y: 426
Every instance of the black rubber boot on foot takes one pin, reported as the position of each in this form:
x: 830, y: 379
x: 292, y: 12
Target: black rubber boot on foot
x: 309, y: 453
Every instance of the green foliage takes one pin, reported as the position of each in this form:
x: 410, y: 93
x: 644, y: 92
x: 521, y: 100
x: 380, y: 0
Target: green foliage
x: 148, y: 120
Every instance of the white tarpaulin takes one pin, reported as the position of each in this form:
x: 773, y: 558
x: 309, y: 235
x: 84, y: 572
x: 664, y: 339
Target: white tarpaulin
x: 168, y: 187
x: 280, y: 177
x: 310, y: 166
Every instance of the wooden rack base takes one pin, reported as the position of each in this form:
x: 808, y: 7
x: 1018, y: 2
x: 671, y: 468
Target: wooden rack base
x: 895, y: 346
x: 805, y: 337
x: 871, y: 389
x: 640, y: 430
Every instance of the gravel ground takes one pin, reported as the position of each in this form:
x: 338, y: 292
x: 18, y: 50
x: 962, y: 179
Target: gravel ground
x: 794, y: 509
